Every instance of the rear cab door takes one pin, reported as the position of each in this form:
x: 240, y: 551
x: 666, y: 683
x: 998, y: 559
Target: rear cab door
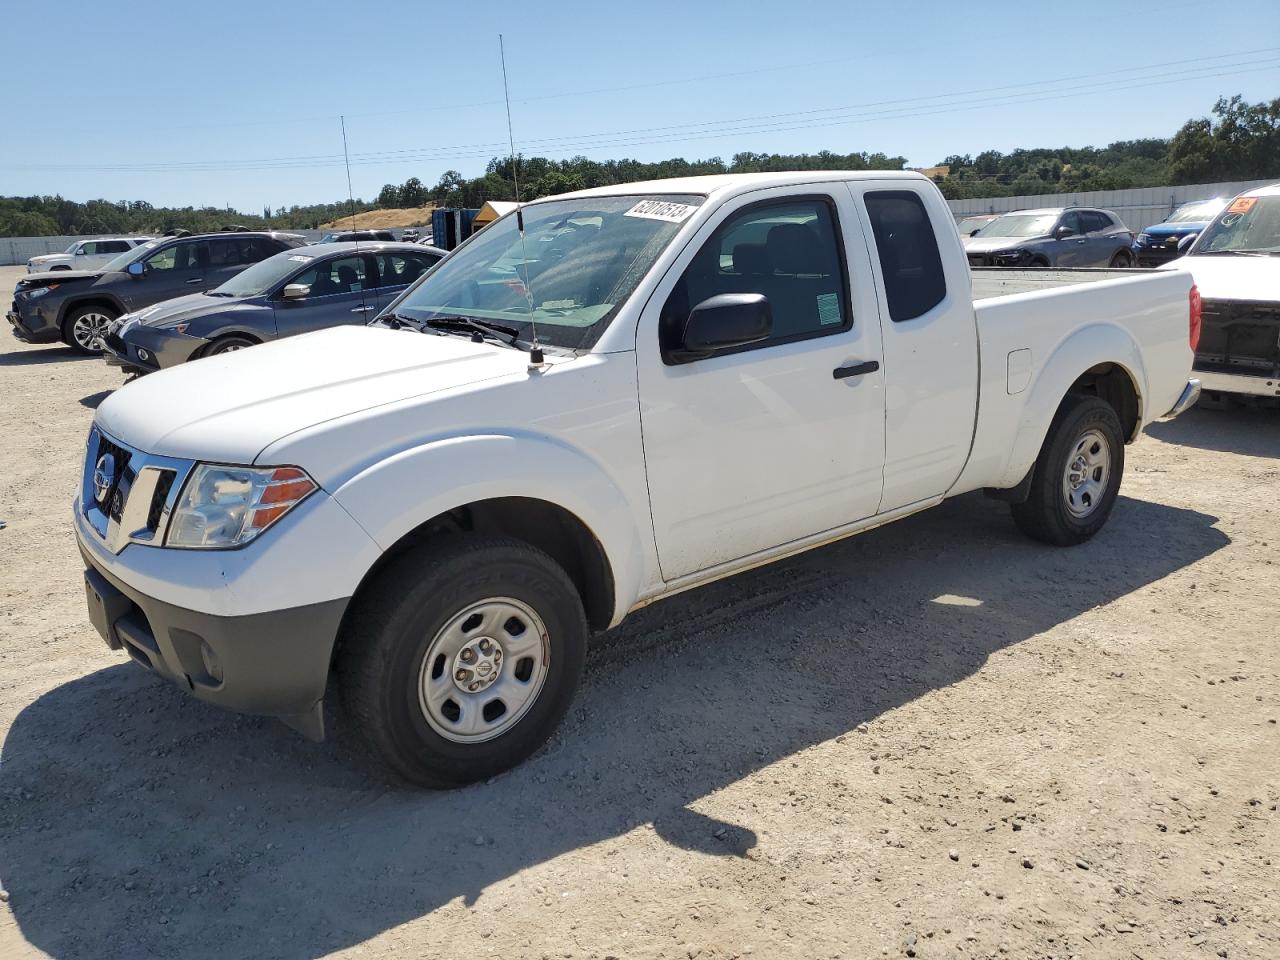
x: 930, y: 338
x: 778, y: 440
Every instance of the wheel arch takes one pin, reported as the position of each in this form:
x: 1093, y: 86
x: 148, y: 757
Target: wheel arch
x: 1100, y: 359
x: 89, y: 299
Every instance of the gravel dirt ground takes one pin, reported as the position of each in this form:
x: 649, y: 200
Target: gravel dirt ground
x: 936, y: 739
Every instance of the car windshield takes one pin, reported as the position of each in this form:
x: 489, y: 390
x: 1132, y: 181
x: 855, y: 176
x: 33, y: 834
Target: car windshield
x: 72, y: 248
x: 1247, y: 225
x: 1196, y: 212
x: 581, y: 259
x: 1020, y: 225
x: 130, y: 255
x: 263, y: 276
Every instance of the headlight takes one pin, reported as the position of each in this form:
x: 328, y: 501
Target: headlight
x: 1144, y: 238
x: 41, y: 291
x: 1009, y: 254
x: 224, y: 506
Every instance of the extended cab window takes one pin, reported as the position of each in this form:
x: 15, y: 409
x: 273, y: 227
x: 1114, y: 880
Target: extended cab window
x: 787, y: 250
x: 909, y: 260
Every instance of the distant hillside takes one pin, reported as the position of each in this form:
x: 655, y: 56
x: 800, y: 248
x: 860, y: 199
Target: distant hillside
x: 375, y: 219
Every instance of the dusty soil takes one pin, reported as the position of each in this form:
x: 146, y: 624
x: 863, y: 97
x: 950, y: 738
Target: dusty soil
x: 937, y: 739
x: 378, y: 219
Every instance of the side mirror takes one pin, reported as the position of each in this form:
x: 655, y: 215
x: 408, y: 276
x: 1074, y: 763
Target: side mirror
x: 295, y: 291
x: 723, y: 322
x: 80, y: 252
x: 1063, y: 232
x: 136, y: 269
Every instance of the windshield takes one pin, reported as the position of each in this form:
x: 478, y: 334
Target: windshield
x: 72, y: 248
x: 1248, y: 224
x: 1020, y: 225
x: 263, y: 276
x: 126, y: 258
x: 1196, y: 212
x: 584, y: 258
x: 970, y: 224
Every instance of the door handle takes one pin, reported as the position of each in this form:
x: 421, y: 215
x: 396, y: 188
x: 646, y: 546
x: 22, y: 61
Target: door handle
x: 365, y: 309
x: 196, y: 280
x: 1082, y: 240
x: 855, y: 369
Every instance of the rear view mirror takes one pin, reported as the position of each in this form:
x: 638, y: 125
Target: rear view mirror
x: 296, y: 291
x: 136, y: 269
x: 723, y: 322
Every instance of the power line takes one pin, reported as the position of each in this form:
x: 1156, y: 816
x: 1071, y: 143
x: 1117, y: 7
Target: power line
x: 706, y: 130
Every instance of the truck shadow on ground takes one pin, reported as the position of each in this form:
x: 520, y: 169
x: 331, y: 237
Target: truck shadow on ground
x: 25, y: 358
x: 1252, y: 431
x: 138, y: 822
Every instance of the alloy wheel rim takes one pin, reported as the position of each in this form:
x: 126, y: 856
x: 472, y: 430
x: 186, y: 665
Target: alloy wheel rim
x: 483, y: 670
x: 1084, y: 482
x: 90, y: 329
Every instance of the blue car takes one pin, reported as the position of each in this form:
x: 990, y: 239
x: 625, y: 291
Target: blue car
x: 309, y: 288
x: 1169, y: 239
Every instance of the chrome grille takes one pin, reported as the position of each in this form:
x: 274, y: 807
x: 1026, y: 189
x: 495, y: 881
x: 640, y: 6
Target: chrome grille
x: 135, y: 506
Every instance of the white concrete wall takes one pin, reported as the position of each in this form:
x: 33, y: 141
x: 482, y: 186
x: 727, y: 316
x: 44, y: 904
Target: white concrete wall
x: 1138, y: 208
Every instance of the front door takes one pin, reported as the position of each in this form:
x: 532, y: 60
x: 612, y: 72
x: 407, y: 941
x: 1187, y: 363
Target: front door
x: 1072, y: 251
x: 172, y: 271
x: 338, y: 295
x: 781, y: 439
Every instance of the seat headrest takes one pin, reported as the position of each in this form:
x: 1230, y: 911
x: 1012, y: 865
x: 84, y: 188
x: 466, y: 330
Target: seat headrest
x: 794, y: 248
x: 347, y: 275
x: 750, y: 259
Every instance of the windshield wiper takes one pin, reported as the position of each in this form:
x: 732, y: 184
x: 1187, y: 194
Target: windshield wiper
x: 216, y: 293
x: 397, y: 320
x: 509, y: 335
x: 1232, y: 253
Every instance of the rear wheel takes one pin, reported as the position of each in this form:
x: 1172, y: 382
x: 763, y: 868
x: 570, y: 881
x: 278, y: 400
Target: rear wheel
x: 1122, y: 259
x: 461, y: 659
x: 85, y: 328
x: 1077, y: 475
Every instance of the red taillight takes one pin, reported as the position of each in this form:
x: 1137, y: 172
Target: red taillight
x: 1196, y: 310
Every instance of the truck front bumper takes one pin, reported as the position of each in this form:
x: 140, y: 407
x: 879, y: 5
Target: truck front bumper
x: 32, y: 325
x: 251, y: 630
x: 1190, y: 394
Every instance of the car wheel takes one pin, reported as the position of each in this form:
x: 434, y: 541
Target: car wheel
x: 228, y: 345
x: 1077, y: 476
x: 84, y: 328
x: 1122, y: 260
x: 1038, y: 263
x: 461, y: 659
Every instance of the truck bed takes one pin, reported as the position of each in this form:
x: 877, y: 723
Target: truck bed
x: 999, y: 281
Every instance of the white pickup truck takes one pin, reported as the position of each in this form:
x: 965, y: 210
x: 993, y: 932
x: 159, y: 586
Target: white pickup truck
x: 428, y: 515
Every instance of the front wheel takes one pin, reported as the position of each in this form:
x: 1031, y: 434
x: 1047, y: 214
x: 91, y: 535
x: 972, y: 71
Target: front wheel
x: 85, y: 328
x: 1122, y: 260
x: 1077, y: 476
x: 462, y: 658
x: 228, y: 344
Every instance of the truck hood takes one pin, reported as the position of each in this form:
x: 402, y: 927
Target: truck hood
x: 990, y: 244
x: 1173, y: 229
x: 1233, y: 278
x: 229, y: 408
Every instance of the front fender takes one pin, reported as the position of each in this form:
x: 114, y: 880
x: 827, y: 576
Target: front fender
x: 89, y: 296
x: 395, y: 496
x: 1084, y: 349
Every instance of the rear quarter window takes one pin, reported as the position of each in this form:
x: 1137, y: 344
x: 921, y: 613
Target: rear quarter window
x: 908, y: 249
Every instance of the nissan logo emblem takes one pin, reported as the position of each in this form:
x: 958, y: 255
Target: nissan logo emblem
x: 104, y: 478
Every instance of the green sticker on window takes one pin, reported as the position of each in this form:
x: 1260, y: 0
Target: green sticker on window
x: 828, y: 309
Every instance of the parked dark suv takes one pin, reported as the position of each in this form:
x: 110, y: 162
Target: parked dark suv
x: 1052, y: 237
x: 76, y: 306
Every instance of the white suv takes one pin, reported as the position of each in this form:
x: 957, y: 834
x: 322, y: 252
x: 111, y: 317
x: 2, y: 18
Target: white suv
x: 84, y: 254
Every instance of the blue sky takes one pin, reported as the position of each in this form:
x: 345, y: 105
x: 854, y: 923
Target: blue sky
x: 237, y: 103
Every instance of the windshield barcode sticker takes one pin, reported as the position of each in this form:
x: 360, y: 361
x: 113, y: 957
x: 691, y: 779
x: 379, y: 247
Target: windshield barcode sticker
x: 661, y: 210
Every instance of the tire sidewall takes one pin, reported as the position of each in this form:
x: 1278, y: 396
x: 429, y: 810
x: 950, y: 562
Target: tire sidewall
x: 427, y: 608
x: 1090, y: 415
x: 69, y: 322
